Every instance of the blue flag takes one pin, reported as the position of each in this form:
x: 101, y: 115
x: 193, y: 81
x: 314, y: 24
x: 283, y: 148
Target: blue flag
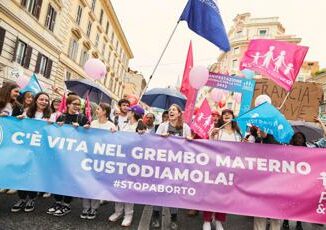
x: 203, y: 17
x: 33, y: 86
x: 269, y: 120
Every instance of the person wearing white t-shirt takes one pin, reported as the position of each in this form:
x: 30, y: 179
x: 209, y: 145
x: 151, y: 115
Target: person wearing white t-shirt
x: 39, y: 110
x: 135, y: 114
x: 224, y: 130
x: 102, y: 113
x: 121, y: 119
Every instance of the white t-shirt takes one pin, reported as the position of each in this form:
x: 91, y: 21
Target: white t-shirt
x: 225, y: 136
x: 107, y: 125
x: 7, y: 109
x: 122, y: 121
x: 129, y: 127
x: 39, y: 116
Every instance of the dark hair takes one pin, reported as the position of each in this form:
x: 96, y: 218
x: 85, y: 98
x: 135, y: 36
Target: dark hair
x: 122, y: 101
x: 137, y: 116
x: 5, y: 94
x: 151, y: 114
x: 165, y: 113
x: 141, y: 125
x: 254, y: 131
x: 52, y: 104
x: 292, y: 142
x: 72, y: 94
x: 33, y: 108
x: 107, y: 108
x: 234, y: 124
x: 21, y: 98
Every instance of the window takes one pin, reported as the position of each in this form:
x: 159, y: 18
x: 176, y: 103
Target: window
x: 79, y: 14
x: 43, y: 65
x: 97, y: 40
x: 235, y: 64
x: 229, y: 105
x: 112, y: 37
x: 110, y: 83
x: 301, y: 78
x: 89, y: 28
x: 117, y: 45
x: 22, y: 53
x: 73, y: 49
x: 83, y: 57
x: 50, y: 18
x: 103, y: 49
x: 68, y: 76
x: 107, y: 27
x: 33, y: 6
x: 262, y: 32
x: 323, y: 108
x: 93, y: 5
x: 236, y: 50
x: 2, y: 38
x: 101, y: 17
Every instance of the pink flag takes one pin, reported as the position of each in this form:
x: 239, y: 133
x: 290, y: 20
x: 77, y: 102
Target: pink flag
x: 88, y: 109
x: 186, y: 88
x: 203, y: 120
x: 62, y: 106
x: 280, y: 61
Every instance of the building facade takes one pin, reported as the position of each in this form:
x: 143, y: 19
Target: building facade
x: 54, y: 39
x: 135, y: 83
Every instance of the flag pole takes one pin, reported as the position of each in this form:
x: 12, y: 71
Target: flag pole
x: 159, y: 61
x: 283, y: 103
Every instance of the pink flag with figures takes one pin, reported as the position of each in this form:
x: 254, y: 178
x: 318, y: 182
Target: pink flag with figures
x: 203, y: 120
x: 280, y: 61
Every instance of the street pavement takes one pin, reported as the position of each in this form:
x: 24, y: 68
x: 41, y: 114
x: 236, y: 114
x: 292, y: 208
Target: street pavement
x: 39, y: 220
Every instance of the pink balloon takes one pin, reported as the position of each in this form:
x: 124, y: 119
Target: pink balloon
x: 95, y: 68
x: 237, y: 98
x: 198, y: 76
x: 217, y: 94
x: 22, y: 81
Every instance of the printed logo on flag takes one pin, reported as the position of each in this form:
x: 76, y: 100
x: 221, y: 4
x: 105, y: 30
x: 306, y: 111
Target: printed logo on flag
x: 281, y: 61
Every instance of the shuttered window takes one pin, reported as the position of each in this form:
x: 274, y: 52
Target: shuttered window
x: 22, y: 53
x: 2, y: 38
x: 50, y: 18
x: 43, y: 65
x: 33, y: 6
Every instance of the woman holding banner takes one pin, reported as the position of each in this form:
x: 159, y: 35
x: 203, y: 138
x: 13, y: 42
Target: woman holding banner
x: 134, y: 116
x: 173, y: 127
x: 39, y: 110
x: 103, y: 112
x: 61, y: 206
x: 9, y: 106
x: 224, y: 130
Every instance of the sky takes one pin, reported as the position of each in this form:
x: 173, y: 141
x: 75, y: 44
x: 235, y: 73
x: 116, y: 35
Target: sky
x: 148, y: 25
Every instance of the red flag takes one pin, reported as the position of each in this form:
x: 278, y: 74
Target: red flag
x: 62, y: 106
x: 203, y: 120
x: 185, y: 85
x: 88, y: 109
x: 186, y: 88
